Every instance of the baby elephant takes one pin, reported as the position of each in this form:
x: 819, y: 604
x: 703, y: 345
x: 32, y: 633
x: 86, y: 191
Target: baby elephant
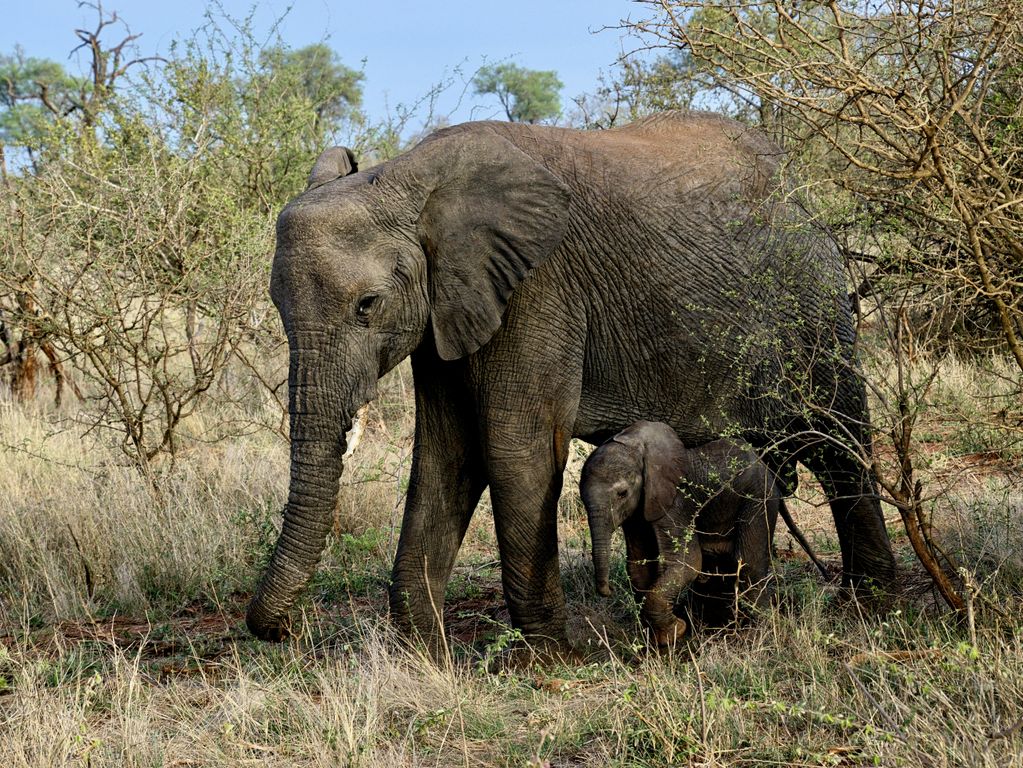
x: 683, y: 512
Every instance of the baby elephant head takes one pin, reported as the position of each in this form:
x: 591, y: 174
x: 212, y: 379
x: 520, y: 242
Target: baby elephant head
x: 636, y: 469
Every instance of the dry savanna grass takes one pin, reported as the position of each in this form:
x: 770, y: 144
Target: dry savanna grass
x: 122, y: 641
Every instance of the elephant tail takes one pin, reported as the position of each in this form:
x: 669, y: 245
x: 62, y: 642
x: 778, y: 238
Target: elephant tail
x: 797, y: 534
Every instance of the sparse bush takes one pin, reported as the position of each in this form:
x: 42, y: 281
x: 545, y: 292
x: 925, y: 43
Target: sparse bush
x: 138, y: 244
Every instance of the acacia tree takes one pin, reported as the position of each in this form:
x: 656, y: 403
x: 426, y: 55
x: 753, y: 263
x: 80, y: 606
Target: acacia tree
x: 140, y: 245
x: 40, y: 101
x: 905, y: 117
x: 912, y: 109
x: 527, y: 95
x: 33, y: 93
x: 334, y: 90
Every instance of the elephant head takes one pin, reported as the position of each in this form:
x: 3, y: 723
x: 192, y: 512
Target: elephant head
x: 424, y: 250
x: 637, y: 468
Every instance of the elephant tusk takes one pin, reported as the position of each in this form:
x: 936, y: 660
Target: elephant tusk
x: 355, y: 433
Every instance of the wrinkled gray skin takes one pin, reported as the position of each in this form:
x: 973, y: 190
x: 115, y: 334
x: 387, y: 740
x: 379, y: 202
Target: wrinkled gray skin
x: 679, y: 508
x: 551, y: 283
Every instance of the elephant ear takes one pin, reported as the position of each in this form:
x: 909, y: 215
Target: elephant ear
x: 332, y: 164
x: 664, y: 465
x: 492, y: 213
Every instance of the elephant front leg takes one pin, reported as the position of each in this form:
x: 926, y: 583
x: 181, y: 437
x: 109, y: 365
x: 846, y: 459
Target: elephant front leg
x: 641, y: 557
x: 680, y: 569
x: 524, y: 488
x: 445, y: 484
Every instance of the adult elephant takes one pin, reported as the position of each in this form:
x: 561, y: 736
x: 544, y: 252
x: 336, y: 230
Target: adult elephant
x: 551, y: 283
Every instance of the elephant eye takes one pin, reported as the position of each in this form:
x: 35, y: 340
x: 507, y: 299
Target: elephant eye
x: 365, y: 305
x: 622, y: 493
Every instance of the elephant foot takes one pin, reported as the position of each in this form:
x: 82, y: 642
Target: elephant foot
x: 665, y: 637
x: 432, y: 645
x: 869, y: 594
x: 271, y: 632
x: 418, y: 630
x: 536, y: 652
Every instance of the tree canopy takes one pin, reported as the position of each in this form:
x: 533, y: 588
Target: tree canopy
x: 527, y: 95
x: 333, y: 89
x: 33, y: 92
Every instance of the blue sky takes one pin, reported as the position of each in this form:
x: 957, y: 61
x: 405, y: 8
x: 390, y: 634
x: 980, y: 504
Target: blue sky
x: 407, y: 46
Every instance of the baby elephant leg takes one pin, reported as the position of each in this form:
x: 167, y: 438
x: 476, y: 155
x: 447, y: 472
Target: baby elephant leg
x: 755, y: 582
x: 658, y: 608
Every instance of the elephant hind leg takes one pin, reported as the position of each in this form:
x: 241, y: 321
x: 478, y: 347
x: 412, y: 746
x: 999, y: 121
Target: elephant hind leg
x: 856, y: 509
x: 834, y: 444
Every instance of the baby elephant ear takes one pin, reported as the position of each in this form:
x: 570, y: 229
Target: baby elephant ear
x: 332, y: 164
x: 663, y: 468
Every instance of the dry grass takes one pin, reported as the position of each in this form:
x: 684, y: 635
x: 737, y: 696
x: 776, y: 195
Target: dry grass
x: 141, y: 658
x: 812, y: 684
x: 81, y: 533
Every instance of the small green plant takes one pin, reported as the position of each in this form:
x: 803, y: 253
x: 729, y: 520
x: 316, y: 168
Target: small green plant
x: 504, y: 640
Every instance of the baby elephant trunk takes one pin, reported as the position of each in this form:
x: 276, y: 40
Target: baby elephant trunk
x: 600, y: 532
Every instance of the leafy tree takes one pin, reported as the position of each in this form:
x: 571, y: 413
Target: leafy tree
x: 334, y: 90
x: 33, y: 93
x: 136, y: 248
x: 527, y: 95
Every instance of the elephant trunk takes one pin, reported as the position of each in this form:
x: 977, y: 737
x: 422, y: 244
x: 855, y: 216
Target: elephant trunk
x: 320, y: 418
x: 312, y: 495
x: 600, y: 533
